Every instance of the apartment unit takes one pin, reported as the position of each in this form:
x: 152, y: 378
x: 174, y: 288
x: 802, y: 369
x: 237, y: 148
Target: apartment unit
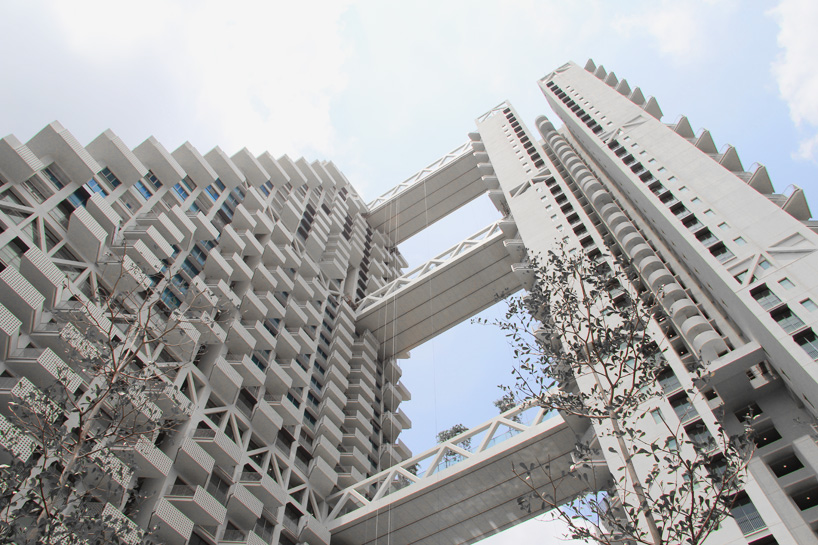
x: 278, y: 399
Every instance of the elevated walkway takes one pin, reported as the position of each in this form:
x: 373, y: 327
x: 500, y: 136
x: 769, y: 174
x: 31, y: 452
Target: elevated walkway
x: 464, y: 489
x: 441, y: 293
x: 429, y: 195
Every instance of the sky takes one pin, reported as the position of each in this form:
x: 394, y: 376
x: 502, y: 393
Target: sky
x: 384, y: 88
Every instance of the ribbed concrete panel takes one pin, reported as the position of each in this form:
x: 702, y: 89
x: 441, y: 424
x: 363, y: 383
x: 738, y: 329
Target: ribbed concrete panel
x: 441, y: 293
x: 427, y: 196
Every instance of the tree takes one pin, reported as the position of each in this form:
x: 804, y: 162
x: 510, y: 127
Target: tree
x: 584, y: 344
x: 117, y: 342
x: 451, y: 457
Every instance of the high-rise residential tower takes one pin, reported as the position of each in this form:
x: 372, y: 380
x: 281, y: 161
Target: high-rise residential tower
x: 288, y: 388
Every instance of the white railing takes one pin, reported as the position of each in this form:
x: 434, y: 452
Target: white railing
x: 421, y: 174
x: 415, y: 274
x: 425, y: 466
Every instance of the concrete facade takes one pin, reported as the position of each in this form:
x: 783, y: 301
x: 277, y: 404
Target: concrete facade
x: 291, y: 403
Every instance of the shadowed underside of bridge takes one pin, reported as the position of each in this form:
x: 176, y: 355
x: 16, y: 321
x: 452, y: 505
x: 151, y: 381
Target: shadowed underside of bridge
x: 475, y: 498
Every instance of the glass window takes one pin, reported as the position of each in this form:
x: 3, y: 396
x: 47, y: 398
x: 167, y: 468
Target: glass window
x: 764, y: 264
x: 787, y: 320
x: 695, y: 200
x: 766, y: 298
x: 809, y: 304
x: 709, y: 212
x: 786, y: 283
x: 739, y: 241
x: 683, y: 189
x: 723, y: 225
x: 809, y: 342
x: 143, y: 190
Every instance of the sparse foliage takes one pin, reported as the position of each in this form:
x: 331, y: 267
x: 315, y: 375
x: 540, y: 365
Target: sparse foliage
x: 77, y: 436
x: 583, y: 346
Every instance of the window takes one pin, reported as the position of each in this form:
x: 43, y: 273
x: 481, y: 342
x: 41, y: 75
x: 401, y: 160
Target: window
x: 746, y: 515
x: 787, y: 320
x: 695, y: 200
x: 764, y: 264
x: 723, y: 225
x: 709, y: 212
x: 657, y: 416
x: 150, y: 177
x: 786, y: 283
x: 143, y: 190
x: 809, y: 304
x: 672, y: 179
x: 809, y: 342
x: 181, y: 191
x: 739, y: 241
x: 741, y: 276
x: 112, y: 179
x: 683, y: 189
x: 94, y: 187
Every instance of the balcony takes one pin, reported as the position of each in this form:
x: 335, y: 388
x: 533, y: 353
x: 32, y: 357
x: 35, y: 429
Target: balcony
x: 87, y: 236
x: 265, y: 488
x: 302, y: 289
x: 224, y: 295
x: 313, y: 532
x: 356, y: 438
x: 224, y: 380
x: 20, y: 297
x: 252, y: 307
x: 172, y: 401
x: 277, y: 380
x: 294, y: 315
x: 230, y: 242
x: 239, y: 339
x: 273, y: 256
x: 151, y: 237
x: 223, y: 450
x: 126, y: 530
x: 306, y: 343
x: 43, y: 367
x: 284, y: 406
x: 326, y: 449
x: 216, y: 267
x: 197, y: 504
x: 170, y: 524
x: 243, y: 506
x: 332, y: 411
x: 241, y: 272
x: 44, y: 275
x: 21, y: 391
x: 266, y: 421
x: 251, y: 372
x: 193, y: 462
x: 286, y: 345
x: 354, y: 457
x: 299, y: 376
x: 264, y: 337
x: 14, y: 442
x: 149, y: 461
x: 326, y: 427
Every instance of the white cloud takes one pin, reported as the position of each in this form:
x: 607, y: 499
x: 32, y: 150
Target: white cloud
x: 796, y: 69
x: 676, y: 29
x: 255, y: 73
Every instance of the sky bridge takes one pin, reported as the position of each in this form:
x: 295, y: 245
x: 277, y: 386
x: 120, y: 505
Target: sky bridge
x: 465, y: 489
